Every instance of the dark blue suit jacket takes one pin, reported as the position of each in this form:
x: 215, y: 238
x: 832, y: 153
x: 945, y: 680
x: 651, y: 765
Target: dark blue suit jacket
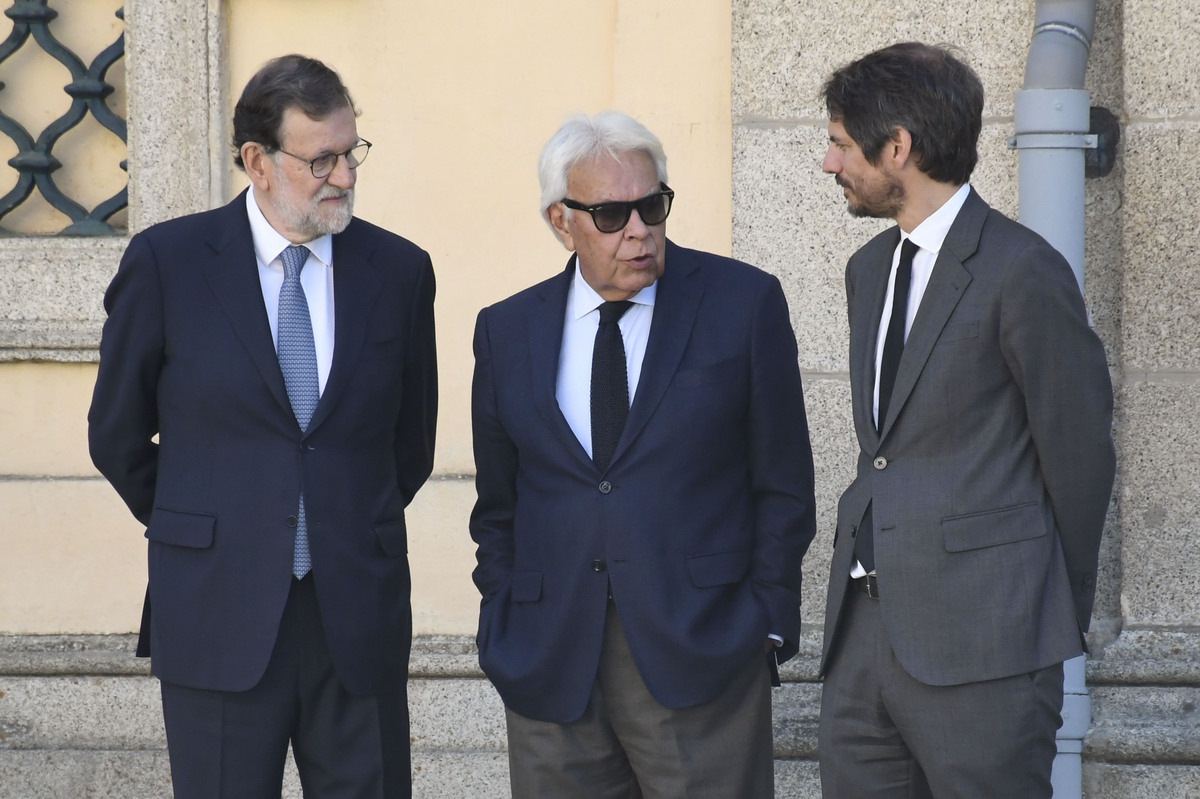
x: 187, y: 357
x: 699, y: 523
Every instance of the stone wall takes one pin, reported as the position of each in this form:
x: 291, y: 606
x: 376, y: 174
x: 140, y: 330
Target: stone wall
x: 80, y: 717
x: 1142, y: 286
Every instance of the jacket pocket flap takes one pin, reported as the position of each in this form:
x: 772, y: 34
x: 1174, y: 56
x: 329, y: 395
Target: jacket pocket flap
x: 720, y: 568
x: 526, y: 587
x: 181, y: 529
x: 393, y: 537
x: 994, y: 527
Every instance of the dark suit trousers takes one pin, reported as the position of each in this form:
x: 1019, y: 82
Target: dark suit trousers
x: 628, y: 746
x: 885, y: 735
x: 232, y: 745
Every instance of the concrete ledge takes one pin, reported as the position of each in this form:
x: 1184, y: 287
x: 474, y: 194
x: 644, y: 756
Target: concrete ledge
x: 80, y: 716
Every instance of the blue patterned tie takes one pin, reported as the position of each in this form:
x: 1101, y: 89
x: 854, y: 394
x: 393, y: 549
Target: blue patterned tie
x: 298, y: 361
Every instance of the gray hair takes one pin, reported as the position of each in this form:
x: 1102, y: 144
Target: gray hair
x: 582, y: 138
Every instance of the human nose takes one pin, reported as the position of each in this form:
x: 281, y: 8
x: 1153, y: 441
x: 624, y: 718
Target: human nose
x: 342, y: 175
x: 831, y: 164
x: 635, y: 228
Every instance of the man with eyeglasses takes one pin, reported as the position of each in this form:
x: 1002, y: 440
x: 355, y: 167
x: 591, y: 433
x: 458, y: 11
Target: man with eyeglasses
x: 645, y: 493
x: 265, y: 404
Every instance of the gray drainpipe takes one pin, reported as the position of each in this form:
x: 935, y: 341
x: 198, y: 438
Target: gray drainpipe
x: 1052, y: 122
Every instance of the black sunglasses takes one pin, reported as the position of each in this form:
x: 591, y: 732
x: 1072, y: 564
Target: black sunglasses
x: 652, y: 209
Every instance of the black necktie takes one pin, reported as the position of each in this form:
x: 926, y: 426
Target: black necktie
x: 610, y: 384
x: 893, y: 347
x: 893, y: 344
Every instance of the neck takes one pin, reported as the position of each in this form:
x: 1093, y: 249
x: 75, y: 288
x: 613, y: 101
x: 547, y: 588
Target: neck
x: 922, y: 200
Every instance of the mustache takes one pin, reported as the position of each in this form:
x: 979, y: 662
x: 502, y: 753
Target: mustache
x: 332, y: 193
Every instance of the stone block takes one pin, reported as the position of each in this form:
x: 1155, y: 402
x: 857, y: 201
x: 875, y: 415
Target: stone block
x: 795, y: 708
x: 1150, y: 725
x: 456, y: 715
x: 797, y: 779
x: 1159, y: 500
x: 1111, y: 781
x: 784, y: 51
x: 451, y: 775
x: 51, y: 292
x: 1161, y: 247
x: 75, y: 774
x: 790, y: 219
x: 80, y: 712
x: 43, y: 419
x: 835, y: 454
x: 1162, y: 63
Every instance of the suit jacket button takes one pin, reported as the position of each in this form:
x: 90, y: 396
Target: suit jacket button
x: 598, y: 565
x: 881, y: 463
x: 605, y: 487
x: 292, y: 521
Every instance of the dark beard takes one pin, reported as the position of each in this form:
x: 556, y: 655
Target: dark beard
x: 883, y: 203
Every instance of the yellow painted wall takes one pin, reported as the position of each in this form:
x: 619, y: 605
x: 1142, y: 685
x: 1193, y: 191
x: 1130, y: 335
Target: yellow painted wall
x: 458, y: 98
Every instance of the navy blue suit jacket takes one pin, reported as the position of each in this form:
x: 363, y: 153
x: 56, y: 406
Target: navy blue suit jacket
x: 190, y: 422
x: 699, y: 523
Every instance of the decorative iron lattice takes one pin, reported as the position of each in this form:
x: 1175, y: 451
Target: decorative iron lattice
x: 35, y: 162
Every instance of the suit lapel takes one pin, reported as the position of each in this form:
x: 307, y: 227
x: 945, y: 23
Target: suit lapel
x: 545, y: 326
x: 872, y: 286
x: 946, y: 286
x: 356, y: 287
x: 675, y: 306
x: 232, y: 273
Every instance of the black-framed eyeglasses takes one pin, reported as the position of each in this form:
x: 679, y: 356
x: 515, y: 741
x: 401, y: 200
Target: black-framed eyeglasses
x: 323, y: 165
x: 653, y: 209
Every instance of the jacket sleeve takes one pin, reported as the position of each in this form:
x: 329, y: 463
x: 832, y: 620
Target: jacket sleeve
x: 781, y: 468
x: 123, y: 418
x: 416, y: 427
x: 496, y: 467
x: 1061, y: 368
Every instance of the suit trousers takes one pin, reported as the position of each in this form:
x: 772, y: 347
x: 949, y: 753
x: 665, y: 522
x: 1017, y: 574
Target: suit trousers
x: 885, y: 735
x: 628, y: 746
x: 232, y: 745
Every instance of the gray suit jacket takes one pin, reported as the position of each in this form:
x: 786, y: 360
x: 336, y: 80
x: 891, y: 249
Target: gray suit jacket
x: 990, y: 480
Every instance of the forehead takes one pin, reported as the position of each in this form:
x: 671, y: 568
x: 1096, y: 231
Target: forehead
x: 838, y: 134
x: 304, y: 135
x: 612, y: 178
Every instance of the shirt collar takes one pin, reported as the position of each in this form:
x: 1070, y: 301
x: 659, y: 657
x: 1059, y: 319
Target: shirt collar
x: 932, y: 232
x: 268, y: 243
x: 584, y: 298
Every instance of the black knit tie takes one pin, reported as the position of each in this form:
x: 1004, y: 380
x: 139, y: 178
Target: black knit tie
x: 610, y: 384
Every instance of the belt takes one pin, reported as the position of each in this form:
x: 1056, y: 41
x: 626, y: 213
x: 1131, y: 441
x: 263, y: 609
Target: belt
x: 868, y: 584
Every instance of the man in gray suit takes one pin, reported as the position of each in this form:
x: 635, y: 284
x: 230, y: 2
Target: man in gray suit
x: 964, y: 564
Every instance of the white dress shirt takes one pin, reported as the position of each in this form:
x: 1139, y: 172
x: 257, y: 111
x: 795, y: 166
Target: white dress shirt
x: 582, y: 320
x: 316, y: 278
x: 929, y: 237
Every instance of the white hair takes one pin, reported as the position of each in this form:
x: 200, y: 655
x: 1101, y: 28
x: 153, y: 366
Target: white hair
x: 582, y: 138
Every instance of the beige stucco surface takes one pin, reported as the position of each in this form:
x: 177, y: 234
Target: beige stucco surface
x: 457, y: 98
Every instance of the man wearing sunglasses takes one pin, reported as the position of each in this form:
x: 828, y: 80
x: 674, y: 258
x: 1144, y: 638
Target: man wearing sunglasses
x: 645, y: 493
x: 265, y: 405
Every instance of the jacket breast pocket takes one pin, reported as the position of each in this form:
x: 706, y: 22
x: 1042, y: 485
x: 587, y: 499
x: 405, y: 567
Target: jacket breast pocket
x: 181, y: 528
x: 959, y: 332
x: 719, y: 372
x: 994, y: 527
x: 721, y: 568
